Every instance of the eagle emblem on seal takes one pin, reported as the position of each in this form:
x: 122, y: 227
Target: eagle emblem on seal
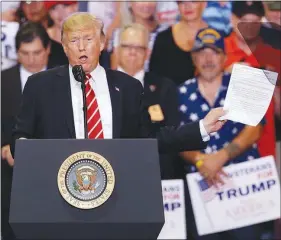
x: 86, y: 180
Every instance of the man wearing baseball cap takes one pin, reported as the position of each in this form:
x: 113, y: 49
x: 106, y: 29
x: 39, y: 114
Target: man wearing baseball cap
x: 245, y: 46
x: 232, y: 144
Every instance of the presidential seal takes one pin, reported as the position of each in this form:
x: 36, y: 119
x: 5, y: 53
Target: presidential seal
x: 86, y: 180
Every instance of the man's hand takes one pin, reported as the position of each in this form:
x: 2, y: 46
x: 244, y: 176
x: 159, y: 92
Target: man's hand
x: 211, y: 121
x: 212, y: 167
x: 6, y: 155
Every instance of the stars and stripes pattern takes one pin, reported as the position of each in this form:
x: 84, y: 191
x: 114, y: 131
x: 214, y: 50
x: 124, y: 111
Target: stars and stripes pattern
x: 94, y: 124
x: 193, y: 107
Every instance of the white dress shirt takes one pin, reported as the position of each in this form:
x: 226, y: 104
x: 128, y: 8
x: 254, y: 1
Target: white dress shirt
x: 24, y: 75
x: 139, y: 75
x: 99, y: 84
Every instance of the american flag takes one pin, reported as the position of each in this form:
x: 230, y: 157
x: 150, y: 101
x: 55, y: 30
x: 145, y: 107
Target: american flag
x: 208, y: 192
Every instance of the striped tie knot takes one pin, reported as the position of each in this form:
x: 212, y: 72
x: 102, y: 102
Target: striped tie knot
x: 87, y: 80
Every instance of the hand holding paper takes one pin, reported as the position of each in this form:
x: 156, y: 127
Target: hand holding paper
x: 212, y: 122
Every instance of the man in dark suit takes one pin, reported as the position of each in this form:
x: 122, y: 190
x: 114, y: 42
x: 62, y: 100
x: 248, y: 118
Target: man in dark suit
x: 271, y: 28
x: 160, y: 94
x: 52, y: 100
x: 32, y: 45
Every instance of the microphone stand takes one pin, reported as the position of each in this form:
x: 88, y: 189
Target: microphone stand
x: 80, y: 76
x: 83, y: 87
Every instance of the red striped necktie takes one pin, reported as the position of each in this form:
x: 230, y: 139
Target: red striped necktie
x: 94, y: 123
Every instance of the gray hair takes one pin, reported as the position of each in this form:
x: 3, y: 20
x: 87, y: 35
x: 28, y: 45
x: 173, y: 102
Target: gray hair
x: 136, y: 27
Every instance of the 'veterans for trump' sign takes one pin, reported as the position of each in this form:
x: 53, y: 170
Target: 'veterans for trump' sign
x: 250, y: 195
x: 174, y: 209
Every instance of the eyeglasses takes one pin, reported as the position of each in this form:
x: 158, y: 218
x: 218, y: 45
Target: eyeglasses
x: 133, y: 47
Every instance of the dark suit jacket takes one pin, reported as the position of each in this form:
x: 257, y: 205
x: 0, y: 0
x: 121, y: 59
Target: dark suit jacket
x: 11, y: 96
x: 271, y: 36
x: 47, y: 113
x: 162, y: 91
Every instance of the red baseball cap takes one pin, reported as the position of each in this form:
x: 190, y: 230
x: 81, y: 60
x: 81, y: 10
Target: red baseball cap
x: 50, y: 4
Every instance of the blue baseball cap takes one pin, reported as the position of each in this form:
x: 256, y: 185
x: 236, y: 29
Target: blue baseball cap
x: 209, y: 38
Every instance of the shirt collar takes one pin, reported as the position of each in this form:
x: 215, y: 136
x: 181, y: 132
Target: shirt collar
x: 27, y: 73
x: 95, y: 74
x: 139, y: 75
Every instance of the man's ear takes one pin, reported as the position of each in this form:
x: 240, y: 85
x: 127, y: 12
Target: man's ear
x: 64, y: 47
x: 102, y: 41
x: 117, y: 50
x: 147, y: 53
x: 234, y: 20
x: 49, y: 48
x: 204, y: 5
x: 193, y: 57
x: 224, y: 59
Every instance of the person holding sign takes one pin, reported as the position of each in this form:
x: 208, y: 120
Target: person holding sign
x: 235, y: 142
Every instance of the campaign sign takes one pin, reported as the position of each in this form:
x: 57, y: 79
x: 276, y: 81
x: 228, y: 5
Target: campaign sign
x: 250, y: 195
x: 174, y: 209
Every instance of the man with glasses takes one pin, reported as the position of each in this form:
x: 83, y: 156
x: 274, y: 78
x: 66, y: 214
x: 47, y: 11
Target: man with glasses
x: 160, y: 94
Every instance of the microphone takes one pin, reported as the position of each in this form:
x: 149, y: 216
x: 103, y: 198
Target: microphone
x: 80, y: 76
x: 79, y: 73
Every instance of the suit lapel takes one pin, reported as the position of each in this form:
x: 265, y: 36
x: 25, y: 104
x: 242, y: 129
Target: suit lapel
x: 150, y: 88
x: 116, y: 103
x: 16, y: 83
x: 63, y: 94
x: 146, y: 83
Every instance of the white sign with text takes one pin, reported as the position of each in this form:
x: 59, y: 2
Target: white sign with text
x: 174, y: 209
x: 250, y: 195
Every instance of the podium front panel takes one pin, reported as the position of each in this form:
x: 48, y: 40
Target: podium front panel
x: 134, y: 210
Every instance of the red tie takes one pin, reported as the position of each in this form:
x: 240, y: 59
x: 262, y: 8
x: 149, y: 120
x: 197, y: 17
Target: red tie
x: 93, y: 115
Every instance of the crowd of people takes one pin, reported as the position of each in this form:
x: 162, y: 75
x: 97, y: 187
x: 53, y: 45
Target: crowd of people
x: 182, y: 52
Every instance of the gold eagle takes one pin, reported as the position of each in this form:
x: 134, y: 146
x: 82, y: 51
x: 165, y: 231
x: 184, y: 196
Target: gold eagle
x: 86, y: 177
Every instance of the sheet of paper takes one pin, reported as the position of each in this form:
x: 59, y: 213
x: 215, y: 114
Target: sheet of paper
x: 249, y: 94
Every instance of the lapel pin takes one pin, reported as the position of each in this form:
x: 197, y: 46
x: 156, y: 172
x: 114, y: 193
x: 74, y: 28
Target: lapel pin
x: 152, y: 88
x: 117, y: 89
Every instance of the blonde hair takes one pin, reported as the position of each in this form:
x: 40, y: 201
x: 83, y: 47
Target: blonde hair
x: 82, y: 20
x: 127, y: 16
x: 136, y: 27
